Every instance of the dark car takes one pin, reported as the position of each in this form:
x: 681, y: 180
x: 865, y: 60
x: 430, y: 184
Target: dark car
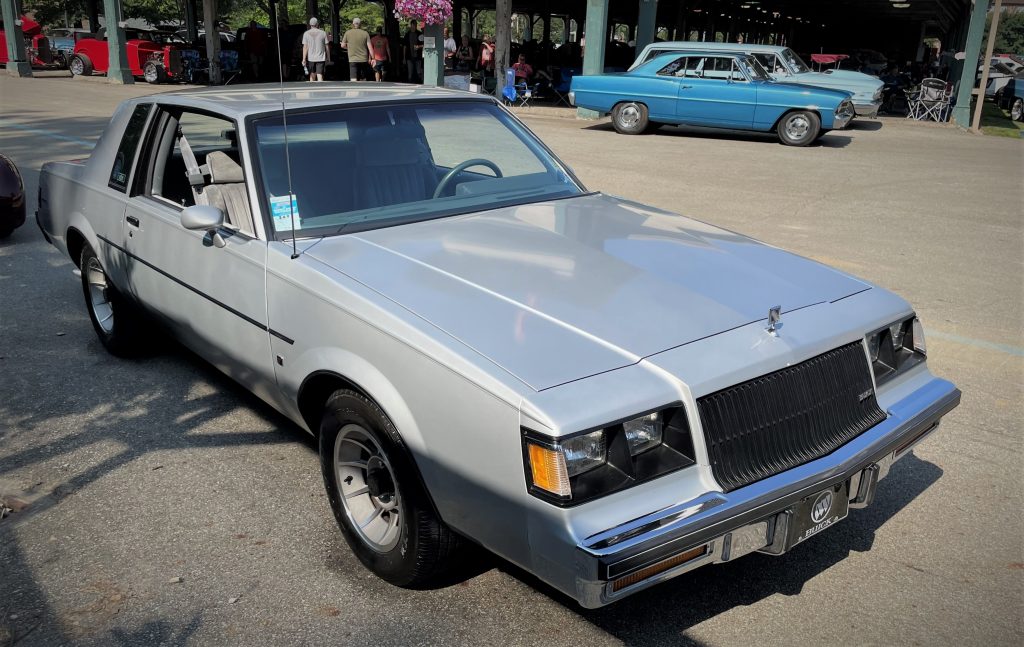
x: 12, y: 197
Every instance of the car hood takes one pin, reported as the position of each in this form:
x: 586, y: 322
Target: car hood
x: 560, y: 290
x: 862, y: 85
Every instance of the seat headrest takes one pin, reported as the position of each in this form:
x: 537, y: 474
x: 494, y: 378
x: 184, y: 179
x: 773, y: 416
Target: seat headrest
x: 223, y: 169
x: 389, y: 150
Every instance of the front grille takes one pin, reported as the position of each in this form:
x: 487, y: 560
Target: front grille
x: 790, y: 417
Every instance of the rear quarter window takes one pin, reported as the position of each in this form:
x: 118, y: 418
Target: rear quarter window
x: 124, y: 159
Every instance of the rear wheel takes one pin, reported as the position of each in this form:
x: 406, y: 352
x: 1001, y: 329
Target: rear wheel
x: 630, y: 118
x: 116, y: 320
x: 376, y: 495
x: 154, y: 73
x: 80, y: 65
x: 1017, y: 110
x: 799, y: 128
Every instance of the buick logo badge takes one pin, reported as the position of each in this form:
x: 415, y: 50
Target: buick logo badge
x: 821, y: 506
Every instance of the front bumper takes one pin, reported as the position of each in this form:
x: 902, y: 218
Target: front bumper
x: 718, y: 527
x: 867, y: 109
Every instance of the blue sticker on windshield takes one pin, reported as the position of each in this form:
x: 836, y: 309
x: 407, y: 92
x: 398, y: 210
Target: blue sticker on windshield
x: 284, y: 213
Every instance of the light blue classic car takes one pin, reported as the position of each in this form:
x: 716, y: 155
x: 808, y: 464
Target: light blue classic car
x: 720, y: 90
x: 783, y: 64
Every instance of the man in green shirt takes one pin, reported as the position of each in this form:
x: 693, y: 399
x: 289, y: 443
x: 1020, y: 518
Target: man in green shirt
x: 357, y: 43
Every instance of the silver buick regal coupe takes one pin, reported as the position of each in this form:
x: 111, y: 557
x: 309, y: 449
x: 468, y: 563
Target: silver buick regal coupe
x: 606, y: 394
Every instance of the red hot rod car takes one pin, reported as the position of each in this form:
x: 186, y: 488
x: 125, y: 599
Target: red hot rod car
x: 156, y: 56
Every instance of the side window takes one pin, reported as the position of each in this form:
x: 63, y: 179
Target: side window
x: 694, y: 67
x: 675, y: 68
x: 735, y: 73
x: 198, y: 162
x: 717, y: 67
x: 125, y: 157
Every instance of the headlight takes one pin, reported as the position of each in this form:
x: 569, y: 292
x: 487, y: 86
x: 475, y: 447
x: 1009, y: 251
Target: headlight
x: 896, y: 348
x: 583, y: 466
x: 878, y: 94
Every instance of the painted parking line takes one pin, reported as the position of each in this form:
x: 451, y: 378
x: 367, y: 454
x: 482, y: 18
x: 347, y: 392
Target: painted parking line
x: 977, y: 343
x: 6, y: 123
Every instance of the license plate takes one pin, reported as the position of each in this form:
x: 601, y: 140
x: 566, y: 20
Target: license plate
x: 818, y: 512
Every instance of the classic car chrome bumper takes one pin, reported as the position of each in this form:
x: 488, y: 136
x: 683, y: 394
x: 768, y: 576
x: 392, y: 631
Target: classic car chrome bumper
x: 869, y: 109
x: 718, y: 527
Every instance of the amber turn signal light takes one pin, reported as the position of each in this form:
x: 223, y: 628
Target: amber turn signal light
x: 548, y: 469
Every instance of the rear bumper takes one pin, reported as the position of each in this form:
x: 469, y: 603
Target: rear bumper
x: 718, y: 527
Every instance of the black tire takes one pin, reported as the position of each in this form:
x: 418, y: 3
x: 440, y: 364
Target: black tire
x: 5, y: 232
x: 116, y: 320
x: 80, y: 65
x: 1017, y: 110
x: 798, y: 128
x: 414, y: 544
x: 154, y: 73
x: 630, y: 118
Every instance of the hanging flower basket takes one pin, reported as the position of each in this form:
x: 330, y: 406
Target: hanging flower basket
x: 430, y: 12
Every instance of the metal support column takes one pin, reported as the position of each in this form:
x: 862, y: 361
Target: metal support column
x: 212, y: 39
x: 17, y: 55
x: 646, y: 23
x: 992, y: 32
x: 92, y: 13
x: 336, y: 21
x: 962, y: 111
x: 593, y: 54
x: 433, y: 55
x: 117, y: 65
x: 191, y: 26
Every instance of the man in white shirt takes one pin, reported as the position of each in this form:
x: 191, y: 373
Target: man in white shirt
x: 314, y: 51
x: 450, y: 47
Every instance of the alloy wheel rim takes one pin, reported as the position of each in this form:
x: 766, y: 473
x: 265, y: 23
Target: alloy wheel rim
x: 1017, y: 110
x: 366, y: 486
x: 629, y: 115
x: 99, y: 295
x: 76, y: 66
x: 150, y: 73
x: 797, y: 127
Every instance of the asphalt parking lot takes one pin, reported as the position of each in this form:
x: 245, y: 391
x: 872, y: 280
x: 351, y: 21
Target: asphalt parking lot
x: 168, y: 506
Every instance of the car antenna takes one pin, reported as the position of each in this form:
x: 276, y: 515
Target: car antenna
x: 287, y: 157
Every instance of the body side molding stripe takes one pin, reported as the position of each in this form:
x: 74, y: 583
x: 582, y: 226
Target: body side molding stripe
x: 206, y: 296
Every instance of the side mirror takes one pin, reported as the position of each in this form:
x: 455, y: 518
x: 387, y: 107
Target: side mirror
x: 203, y: 217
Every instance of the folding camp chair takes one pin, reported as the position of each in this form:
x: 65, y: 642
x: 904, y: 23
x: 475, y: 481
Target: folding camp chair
x: 561, y: 85
x: 931, y: 101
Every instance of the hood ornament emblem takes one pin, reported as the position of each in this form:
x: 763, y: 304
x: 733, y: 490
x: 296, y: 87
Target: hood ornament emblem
x: 774, y: 320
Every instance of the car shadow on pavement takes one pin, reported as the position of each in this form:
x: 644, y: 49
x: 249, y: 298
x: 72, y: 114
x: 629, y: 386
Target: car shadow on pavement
x: 828, y: 140
x: 663, y: 613
x: 862, y: 123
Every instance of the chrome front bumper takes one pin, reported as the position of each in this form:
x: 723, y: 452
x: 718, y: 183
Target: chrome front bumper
x: 869, y: 109
x: 718, y: 527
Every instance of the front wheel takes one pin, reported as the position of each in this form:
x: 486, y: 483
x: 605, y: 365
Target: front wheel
x: 115, y: 319
x: 630, y: 118
x: 799, y: 128
x: 375, y: 493
x: 1017, y: 110
x: 154, y: 73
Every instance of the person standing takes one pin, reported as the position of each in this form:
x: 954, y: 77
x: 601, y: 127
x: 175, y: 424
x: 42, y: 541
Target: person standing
x: 464, y: 57
x: 256, y: 46
x: 487, y: 55
x: 314, y: 51
x: 449, y: 50
x: 414, y: 52
x: 381, y: 51
x: 357, y: 43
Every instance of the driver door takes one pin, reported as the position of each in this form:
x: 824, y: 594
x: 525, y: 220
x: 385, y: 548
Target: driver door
x: 213, y: 297
x: 715, y: 92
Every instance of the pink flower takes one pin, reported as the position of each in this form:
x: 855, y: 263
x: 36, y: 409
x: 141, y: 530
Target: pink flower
x: 431, y: 12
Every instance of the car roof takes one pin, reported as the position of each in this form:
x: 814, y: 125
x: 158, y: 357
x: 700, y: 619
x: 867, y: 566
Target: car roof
x: 728, y: 47
x: 239, y: 101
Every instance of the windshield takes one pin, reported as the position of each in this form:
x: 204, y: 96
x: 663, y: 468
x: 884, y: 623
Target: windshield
x: 366, y: 167
x: 753, y: 68
x: 796, y: 64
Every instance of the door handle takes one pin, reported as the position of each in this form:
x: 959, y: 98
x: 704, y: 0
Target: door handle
x: 132, y: 220
x: 685, y: 87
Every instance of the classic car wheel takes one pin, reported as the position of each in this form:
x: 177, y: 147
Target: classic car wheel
x: 80, y: 65
x: 799, y: 128
x: 1017, y: 110
x: 154, y: 73
x: 630, y: 118
x: 375, y: 493
x: 113, y: 317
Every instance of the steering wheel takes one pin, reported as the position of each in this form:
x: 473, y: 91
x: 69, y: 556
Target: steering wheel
x: 476, y: 161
